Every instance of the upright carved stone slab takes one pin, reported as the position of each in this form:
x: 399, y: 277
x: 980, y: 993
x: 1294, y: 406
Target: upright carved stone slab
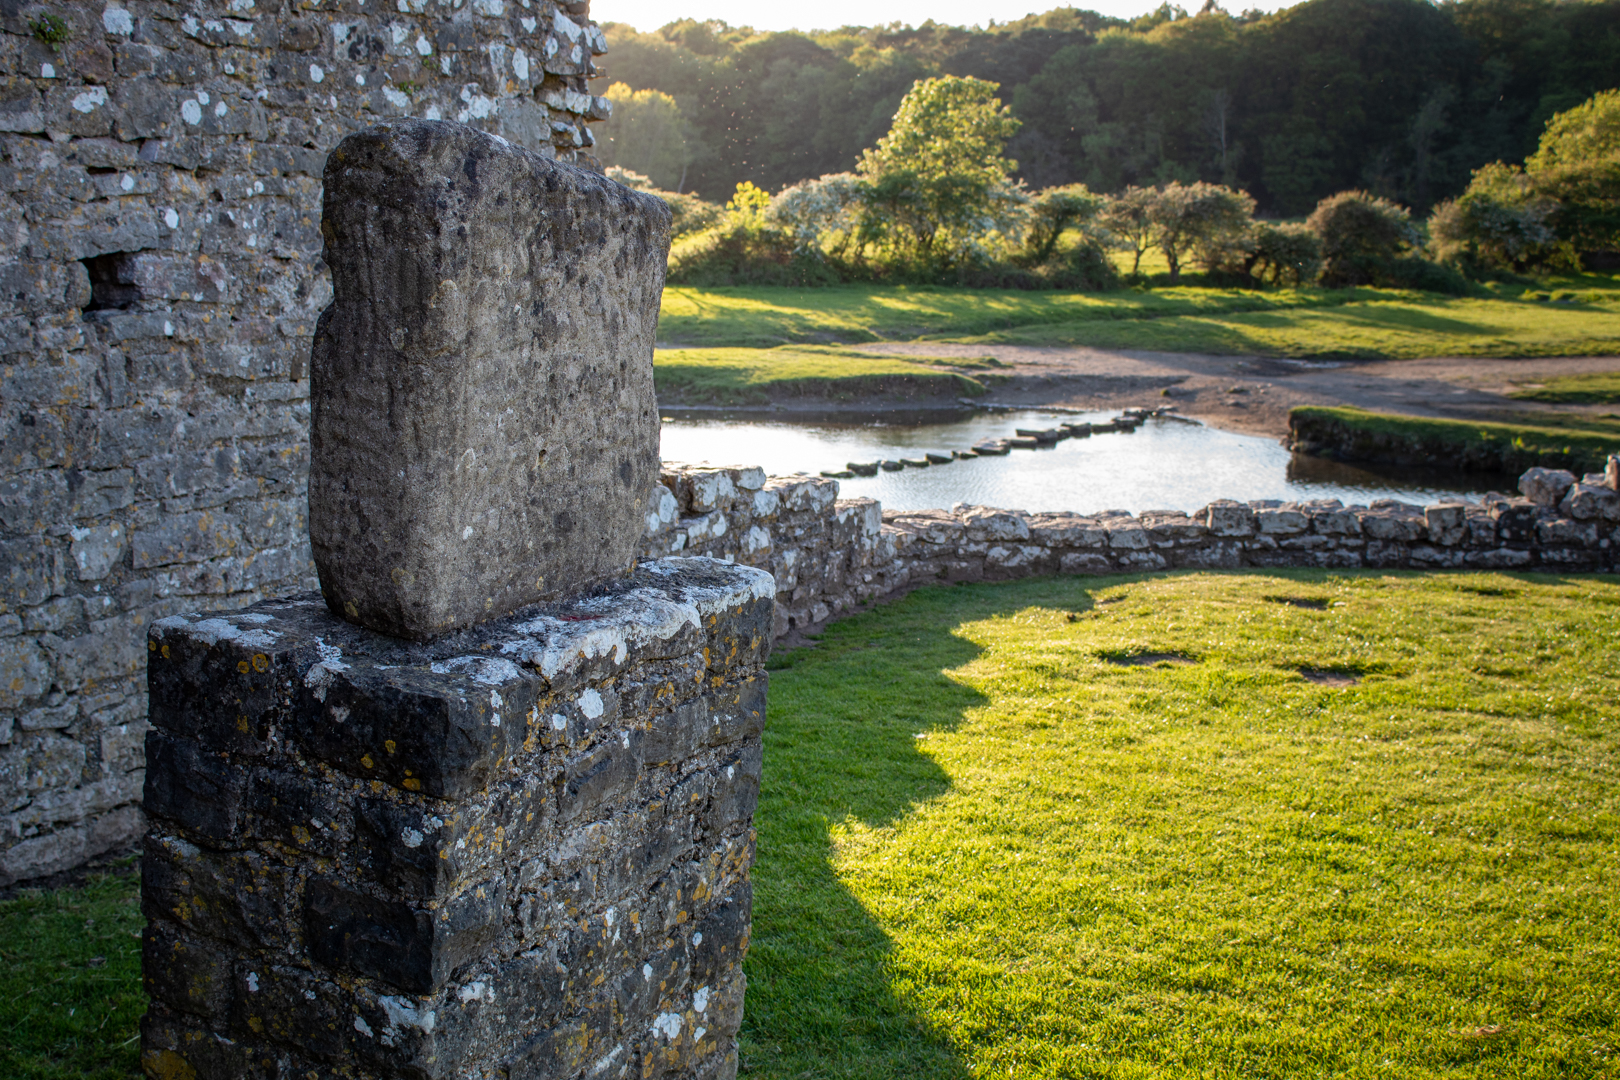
x: 483, y: 427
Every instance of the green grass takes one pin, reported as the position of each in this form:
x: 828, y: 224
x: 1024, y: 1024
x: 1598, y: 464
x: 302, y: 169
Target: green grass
x: 1105, y: 827
x: 1581, y: 442
x: 70, y: 982
x: 987, y: 849
x: 1601, y: 388
x: 756, y: 376
x: 1345, y: 323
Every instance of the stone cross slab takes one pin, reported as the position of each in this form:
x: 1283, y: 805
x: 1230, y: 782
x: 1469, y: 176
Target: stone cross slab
x: 484, y: 432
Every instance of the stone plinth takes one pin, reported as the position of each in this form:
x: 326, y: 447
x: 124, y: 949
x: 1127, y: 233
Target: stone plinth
x: 521, y: 851
x: 483, y: 427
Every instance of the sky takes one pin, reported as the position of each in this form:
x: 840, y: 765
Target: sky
x: 830, y: 14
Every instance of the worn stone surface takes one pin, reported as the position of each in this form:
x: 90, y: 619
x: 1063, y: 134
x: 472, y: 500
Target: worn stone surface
x: 831, y: 556
x: 160, y: 277
x: 516, y: 851
x: 483, y: 426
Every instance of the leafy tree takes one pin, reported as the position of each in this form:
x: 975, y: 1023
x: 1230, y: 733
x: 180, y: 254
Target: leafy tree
x: 938, y: 180
x: 1500, y: 222
x: 1205, y: 221
x: 1128, y: 217
x: 1053, y: 212
x: 647, y: 135
x: 1578, y: 166
x: 1360, y: 234
x: 1285, y: 252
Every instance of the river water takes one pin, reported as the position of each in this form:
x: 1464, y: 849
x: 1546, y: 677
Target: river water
x: 1163, y: 465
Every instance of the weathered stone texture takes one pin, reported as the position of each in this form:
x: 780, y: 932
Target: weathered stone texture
x: 160, y: 277
x: 831, y: 556
x: 522, y: 850
x: 483, y: 430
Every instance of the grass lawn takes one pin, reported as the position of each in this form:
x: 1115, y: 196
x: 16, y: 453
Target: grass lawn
x: 1372, y: 323
x: 1109, y: 828
x: 70, y: 982
x: 1602, y: 388
x: 1578, y: 441
x: 757, y: 376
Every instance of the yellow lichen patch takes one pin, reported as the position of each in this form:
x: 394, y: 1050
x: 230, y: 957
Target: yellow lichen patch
x: 388, y: 745
x: 412, y: 785
x: 167, y: 1065
x: 365, y: 760
x: 261, y: 662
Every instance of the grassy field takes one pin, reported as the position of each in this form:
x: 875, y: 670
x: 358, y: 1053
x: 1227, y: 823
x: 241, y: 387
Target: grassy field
x: 1592, y: 389
x: 737, y: 376
x: 1112, y: 828
x: 1370, y: 323
x: 70, y: 982
x: 1283, y: 824
x: 1577, y: 441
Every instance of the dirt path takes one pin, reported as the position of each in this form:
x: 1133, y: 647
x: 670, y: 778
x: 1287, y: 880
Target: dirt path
x: 1252, y: 393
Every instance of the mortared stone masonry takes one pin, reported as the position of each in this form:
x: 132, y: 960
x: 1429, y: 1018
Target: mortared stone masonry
x: 160, y: 276
x: 485, y: 810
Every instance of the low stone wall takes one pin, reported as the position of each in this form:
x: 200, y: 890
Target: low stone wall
x: 832, y: 555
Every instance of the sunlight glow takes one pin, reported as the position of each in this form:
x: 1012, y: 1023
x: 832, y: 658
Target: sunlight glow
x: 648, y: 15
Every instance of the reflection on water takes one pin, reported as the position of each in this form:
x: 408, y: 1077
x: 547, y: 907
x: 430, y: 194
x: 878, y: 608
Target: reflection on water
x: 1164, y: 465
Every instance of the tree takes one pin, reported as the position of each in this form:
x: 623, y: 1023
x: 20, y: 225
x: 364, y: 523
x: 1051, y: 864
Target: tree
x: 647, y: 135
x: 1206, y: 221
x: 1283, y: 252
x: 1360, y: 234
x: 938, y: 180
x: 1054, y: 211
x: 1578, y: 166
x: 1500, y: 222
x: 1128, y: 217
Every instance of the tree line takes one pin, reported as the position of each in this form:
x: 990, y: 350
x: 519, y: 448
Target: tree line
x: 1403, y: 99
x: 935, y: 199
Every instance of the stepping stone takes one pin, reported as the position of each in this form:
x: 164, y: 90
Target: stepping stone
x: 939, y: 459
x: 890, y: 465
x: 863, y: 468
x: 915, y: 462
x: 838, y: 474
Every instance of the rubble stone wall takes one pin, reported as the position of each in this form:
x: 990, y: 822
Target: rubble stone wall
x: 831, y: 555
x: 160, y: 276
x: 520, y: 852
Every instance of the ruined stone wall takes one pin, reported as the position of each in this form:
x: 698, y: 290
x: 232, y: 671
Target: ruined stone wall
x: 160, y: 277
x: 831, y: 556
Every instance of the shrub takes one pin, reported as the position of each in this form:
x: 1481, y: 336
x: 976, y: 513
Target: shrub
x: 1286, y: 252
x: 1499, y: 223
x: 745, y: 248
x: 1054, y: 211
x: 688, y: 213
x: 1361, y: 235
x: 813, y: 209
x: 1578, y: 165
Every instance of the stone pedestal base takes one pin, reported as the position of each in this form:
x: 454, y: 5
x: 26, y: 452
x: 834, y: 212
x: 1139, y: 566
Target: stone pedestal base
x: 521, y: 852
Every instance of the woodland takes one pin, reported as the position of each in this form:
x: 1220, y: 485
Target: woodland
x: 1399, y: 98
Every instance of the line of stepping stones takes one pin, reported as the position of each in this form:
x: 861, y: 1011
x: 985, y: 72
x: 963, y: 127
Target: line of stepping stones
x: 1024, y: 439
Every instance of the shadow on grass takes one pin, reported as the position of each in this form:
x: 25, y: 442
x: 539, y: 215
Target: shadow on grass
x: 841, y: 746
x: 819, y: 997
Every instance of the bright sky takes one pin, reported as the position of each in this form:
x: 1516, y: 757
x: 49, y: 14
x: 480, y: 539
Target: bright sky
x: 829, y: 14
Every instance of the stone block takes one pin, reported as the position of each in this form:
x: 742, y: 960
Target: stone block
x: 1545, y: 487
x: 1446, y: 523
x: 1227, y: 518
x: 507, y: 303
x: 1591, y: 502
